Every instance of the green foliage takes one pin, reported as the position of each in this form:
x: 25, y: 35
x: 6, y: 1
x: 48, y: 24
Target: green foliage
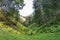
x: 47, y: 16
x: 15, y: 29
x: 54, y: 28
x: 46, y: 11
x: 20, y: 27
x: 8, y: 29
x: 19, y: 2
x: 44, y: 23
x: 11, y: 17
x: 29, y: 20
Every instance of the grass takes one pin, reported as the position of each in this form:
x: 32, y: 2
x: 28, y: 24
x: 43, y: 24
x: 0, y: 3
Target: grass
x: 40, y: 36
x: 11, y: 34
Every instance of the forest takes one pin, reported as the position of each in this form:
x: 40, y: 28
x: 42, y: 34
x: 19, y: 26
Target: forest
x: 42, y: 24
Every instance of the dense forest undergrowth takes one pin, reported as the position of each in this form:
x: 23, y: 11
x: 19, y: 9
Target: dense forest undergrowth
x: 51, y: 28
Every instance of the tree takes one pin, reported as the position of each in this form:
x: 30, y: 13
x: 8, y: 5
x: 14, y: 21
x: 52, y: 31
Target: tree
x: 46, y: 11
x: 11, y: 9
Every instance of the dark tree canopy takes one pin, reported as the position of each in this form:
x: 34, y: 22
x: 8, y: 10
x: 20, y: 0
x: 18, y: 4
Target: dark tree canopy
x: 46, y: 11
x: 7, y: 4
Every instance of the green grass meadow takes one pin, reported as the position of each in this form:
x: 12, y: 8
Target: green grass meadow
x: 8, y: 33
x: 40, y: 36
